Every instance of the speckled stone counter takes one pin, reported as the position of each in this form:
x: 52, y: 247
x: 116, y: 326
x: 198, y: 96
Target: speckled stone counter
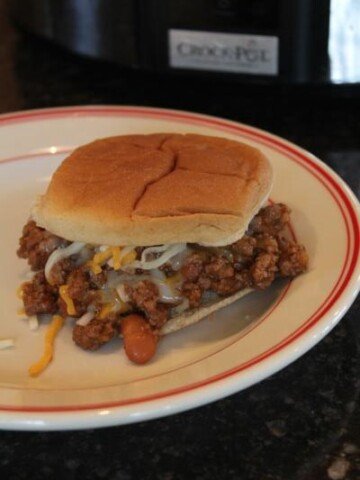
x: 302, y: 423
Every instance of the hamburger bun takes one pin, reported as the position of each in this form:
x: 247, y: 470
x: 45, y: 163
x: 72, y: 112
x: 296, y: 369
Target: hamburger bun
x: 194, y: 315
x: 156, y: 189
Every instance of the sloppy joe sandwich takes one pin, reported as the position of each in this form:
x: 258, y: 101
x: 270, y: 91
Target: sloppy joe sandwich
x: 140, y: 235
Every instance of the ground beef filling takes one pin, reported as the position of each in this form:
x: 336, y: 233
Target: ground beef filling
x: 271, y: 219
x: 36, y: 245
x: 144, y: 296
x: 38, y: 296
x: 96, y: 333
x: 84, y: 288
x: 254, y: 261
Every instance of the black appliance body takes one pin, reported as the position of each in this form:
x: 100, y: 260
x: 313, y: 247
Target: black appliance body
x: 256, y: 41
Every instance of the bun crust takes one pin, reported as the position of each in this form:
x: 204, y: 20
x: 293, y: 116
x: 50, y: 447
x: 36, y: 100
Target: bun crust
x: 194, y: 315
x: 155, y: 189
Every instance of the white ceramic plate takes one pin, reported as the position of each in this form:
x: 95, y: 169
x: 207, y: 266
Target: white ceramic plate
x: 233, y: 349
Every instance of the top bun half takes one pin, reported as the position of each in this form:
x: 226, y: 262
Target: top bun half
x: 155, y: 189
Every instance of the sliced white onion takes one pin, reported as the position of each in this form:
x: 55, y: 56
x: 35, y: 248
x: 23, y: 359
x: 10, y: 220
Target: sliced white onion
x: 112, y: 279
x: 179, y: 309
x: 122, y: 293
x: 117, y: 277
x: 6, y: 343
x: 60, y: 254
x: 177, y: 261
x: 85, y: 319
x: 33, y: 322
x: 149, y: 250
x: 158, y: 274
x: 125, y: 251
x: 84, y: 255
x: 166, y: 293
x: 170, y: 252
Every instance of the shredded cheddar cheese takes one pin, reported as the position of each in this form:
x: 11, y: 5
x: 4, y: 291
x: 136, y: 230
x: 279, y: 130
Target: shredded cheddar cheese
x: 19, y: 291
x: 173, y: 281
x: 116, y: 257
x: 129, y: 258
x: 114, y: 253
x: 117, y: 306
x: 106, y: 309
x: 21, y: 311
x: 36, y: 368
x: 99, y: 258
x: 94, y: 268
x: 70, y: 307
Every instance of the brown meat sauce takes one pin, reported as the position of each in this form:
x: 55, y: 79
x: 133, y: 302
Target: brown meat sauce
x: 36, y: 245
x: 38, y: 296
x: 96, y: 333
x: 144, y: 295
x: 254, y: 261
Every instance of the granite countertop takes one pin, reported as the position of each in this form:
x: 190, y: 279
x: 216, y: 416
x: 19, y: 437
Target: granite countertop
x: 302, y: 423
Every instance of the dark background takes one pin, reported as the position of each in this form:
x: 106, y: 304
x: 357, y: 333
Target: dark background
x: 302, y: 423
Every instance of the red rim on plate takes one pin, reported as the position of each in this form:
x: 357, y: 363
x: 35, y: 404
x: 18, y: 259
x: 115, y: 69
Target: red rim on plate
x: 337, y: 190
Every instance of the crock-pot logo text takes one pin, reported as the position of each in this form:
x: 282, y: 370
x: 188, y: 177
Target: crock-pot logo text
x: 227, y: 52
x: 249, y: 53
